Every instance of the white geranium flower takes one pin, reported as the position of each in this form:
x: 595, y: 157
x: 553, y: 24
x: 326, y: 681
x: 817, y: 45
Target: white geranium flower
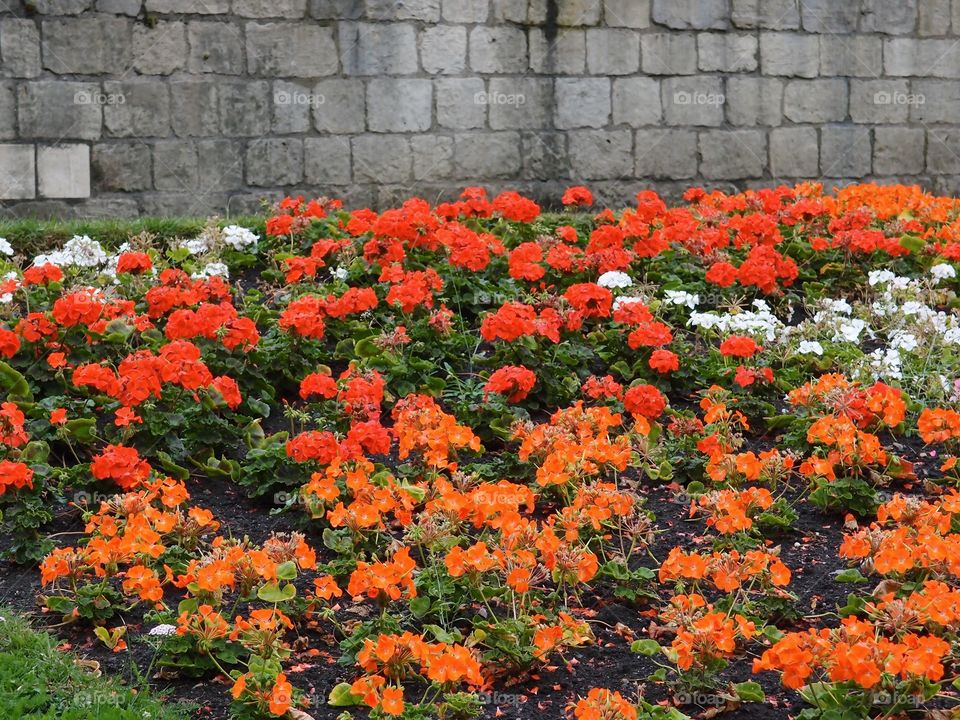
x: 952, y: 336
x: 162, y: 630
x: 196, y: 246
x: 943, y: 271
x: 615, y: 279
x: 682, y: 297
x: 849, y: 331
x: 626, y: 300
x: 904, y: 341
x: 340, y: 273
x: 886, y: 364
x: 880, y: 277
x: 213, y: 269
x: 239, y: 238
x: 5, y: 247
x: 810, y: 347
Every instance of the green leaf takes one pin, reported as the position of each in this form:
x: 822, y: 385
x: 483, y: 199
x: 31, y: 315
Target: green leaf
x: 16, y: 385
x: 273, y: 593
x: 287, y: 570
x: 645, y: 647
x: 82, y: 429
x: 420, y: 606
x: 341, y: 696
x: 750, y: 692
x: 851, y: 575
x: 912, y: 243
x: 366, y: 348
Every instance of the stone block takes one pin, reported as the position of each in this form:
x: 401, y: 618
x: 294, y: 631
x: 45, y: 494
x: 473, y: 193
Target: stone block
x: 291, y: 50
x: 175, y: 166
x: 612, y: 51
x: 270, y: 8
x: 160, y: 49
x: 904, y: 57
x: 766, y: 14
x: 144, y: 111
x: 693, y: 101
x: 19, y: 48
x: 519, y: 103
x: 461, y: 103
x: 789, y: 54
x: 815, y: 101
x: 851, y: 55
x: 574, y: 13
x: 486, y: 155
x: 935, y: 101
x: 432, y: 157
x: 732, y: 154
x: 293, y: 104
x: 207, y: 7
x: 564, y: 55
x: 636, y: 101
x: 845, y: 152
x: 396, y: 105
x: 829, y: 16
x: 466, y: 11
x: 62, y: 7
x: 60, y: 110
x: 425, y: 10
x: 8, y: 110
x: 443, y: 49
x: 627, y: 13
x: 754, y: 101
x: 215, y: 47
x: 670, y: 154
x: 63, y: 171
x: 340, y: 106
x: 893, y: 17
x: 898, y: 150
x: 522, y: 12
x: 378, y: 48
x: 601, y: 154
x: 337, y: 9
x: 87, y: 45
x: 669, y: 54
x: 544, y: 155
x: 120, y: 7
x: 326, y: 160
x: 879, y: 101
x: 18, y: 172
x: 943, y: 151
x: 498, y: 49
x: 272, y: 162
x: 934, y: 17
x: 381, y: 159
x: 121, y: 167
x: 194, y: 108
x: 691, y: 14
x: 727, y: 52
x: 794, y: 153
x: 220, y: 164
x: 582, y: 103
x: 244, y: 108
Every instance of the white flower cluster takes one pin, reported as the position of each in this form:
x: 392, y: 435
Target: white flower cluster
x: 682, y: 297
x: 214, y: 269
x: 615, y: 280
x: 162, y: 630
x: 750, y: 322
x: 240, y: 238
x: 79, y: 251
x: 5, y: 247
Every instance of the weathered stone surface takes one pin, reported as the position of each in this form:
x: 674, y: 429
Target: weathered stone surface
x: 62, y: 7
x: 194, y: 108
x: 829, y: 16
x: 564, y: 55
x: 378, y: 48
x: 175, y: 166
x: 519, y: 103
x: 627, y: 13
x: 144, y: 112
x: 612, y: 51
x: 572, y: 13
x: 693, y: 101
x: 59, y: 110
x: 290, y: 50
x: 670, y: 154
x: 598, y: 154
x: 815, y: 101
x: 544, y: 155
x: 432, y: 157
x: 582, y: 103
x: 905, y: 57
x: 851, y: 55
x: 766, y: 14
x: 936, y: 101
x: 272, y: 162
x: 270, y: 8
x: 486, y: 155
x: 220, y: 164
x: 636, y: 101
x: 727, y: 52
x: 754, y: 101
x: 337, y: 9
x: 207, y: 7
x: 381, y: 158
x: 8, y: 110
x: 794, y: 153
x: 898, y: 150
x: 339, y: 106
x: 244, y: 108
x: 121, y: 167
x: 732, y: 154
x: 498, y: 49
x: 426, y: 10
x: 443, y: 49
x: 879, y: 101
x: 522, y: 12
x: 215, y: 47
x: 19, y: 48
x: 160, y: 49
x: 292, y: 107
x: 789, y: 54
x: 461, y: 103
x: 466, y: 11
x: 943, y: 151
x: 18, y: 175
x: 934, y: 17
x: 120, y: 7
x: 695, y: 14
x: 669, y: 54
x: 845, y: 151
x: 894, y: 17
x: 87, y: 46
x: 326, y: 160
x: 63, y: 171
x: 399, y: 105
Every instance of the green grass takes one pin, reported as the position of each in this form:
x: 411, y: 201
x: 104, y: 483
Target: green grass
x: 40, y: 682
x: 31, y: 236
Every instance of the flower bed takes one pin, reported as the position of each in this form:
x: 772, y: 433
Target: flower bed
x: 474, y: 460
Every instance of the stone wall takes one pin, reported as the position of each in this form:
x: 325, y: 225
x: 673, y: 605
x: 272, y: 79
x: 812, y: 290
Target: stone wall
x: 119, y: 107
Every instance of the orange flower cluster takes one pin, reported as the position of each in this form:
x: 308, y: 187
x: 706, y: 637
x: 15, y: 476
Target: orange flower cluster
x: 834, y: 394
x: 703, y: 634
x: 421, y: 426
x: 732, y: 511
x: 603, y: 704
x: 727, y: 571
x: 385, y: 581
